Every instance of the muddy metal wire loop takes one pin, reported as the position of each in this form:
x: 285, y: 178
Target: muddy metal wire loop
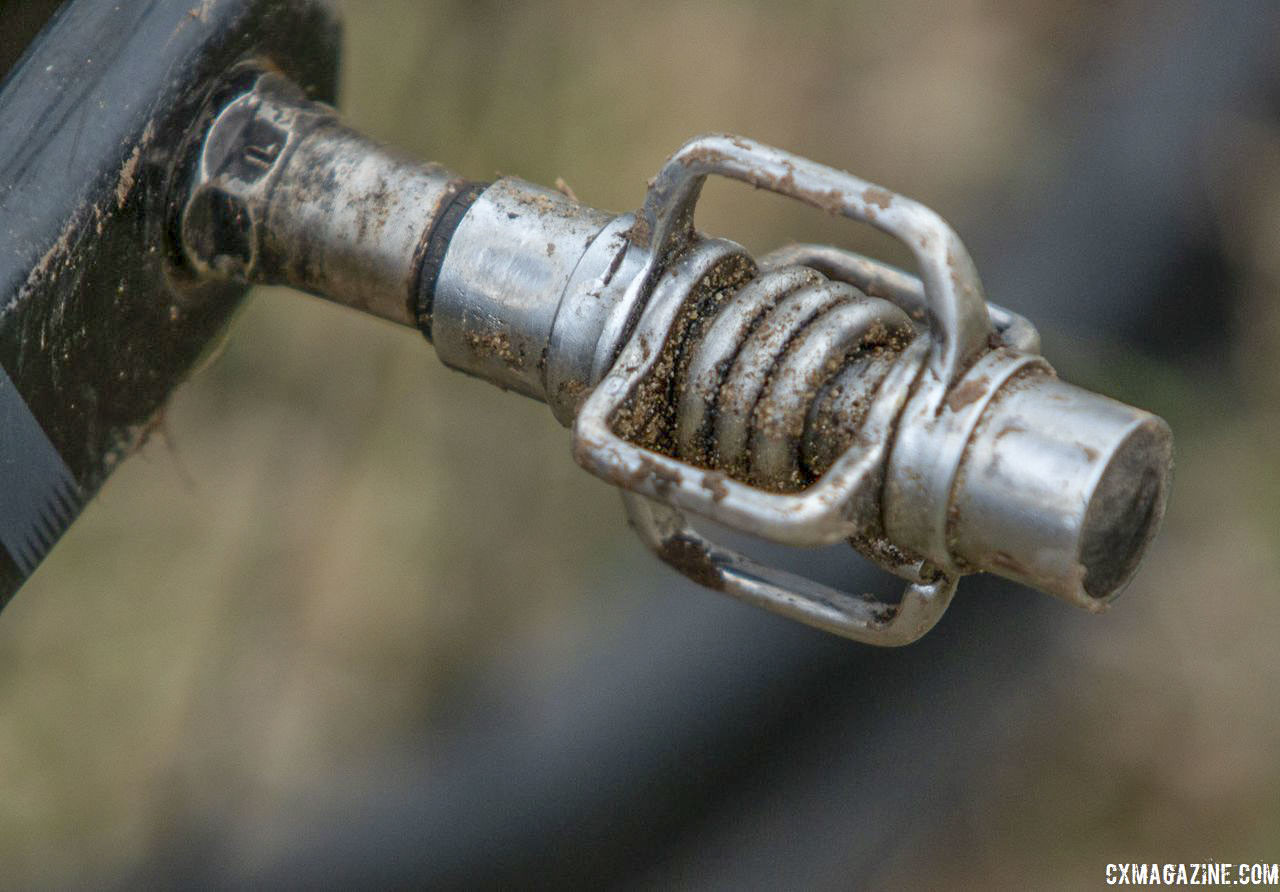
x: 836, y: 506
x: 955, y: 302
x: 859, y: 617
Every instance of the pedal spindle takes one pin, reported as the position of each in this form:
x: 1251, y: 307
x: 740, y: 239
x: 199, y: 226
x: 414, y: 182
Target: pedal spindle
x: 812, y: 397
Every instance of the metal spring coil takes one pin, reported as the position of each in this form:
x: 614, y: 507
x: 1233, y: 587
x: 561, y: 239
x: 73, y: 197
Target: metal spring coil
x: 781, y: 348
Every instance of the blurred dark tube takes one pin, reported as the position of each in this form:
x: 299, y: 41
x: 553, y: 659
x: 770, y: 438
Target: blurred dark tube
x: 1110, y: 244
x: 664, y: 732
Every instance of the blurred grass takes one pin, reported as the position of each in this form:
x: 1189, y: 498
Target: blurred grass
x: 332, y: 528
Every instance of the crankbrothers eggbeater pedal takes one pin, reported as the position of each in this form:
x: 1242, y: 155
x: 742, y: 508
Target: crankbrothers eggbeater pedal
x: 809, y: 396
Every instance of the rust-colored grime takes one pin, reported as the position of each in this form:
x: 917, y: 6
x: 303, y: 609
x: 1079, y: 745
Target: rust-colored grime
x: 714, y: 482
x: 566, y: 190
x: 640, y: 233
x: 650, y: 471
x: 967, y: 393
x: 573, y: 391
x: 881, y: 198
x: 691, y: 557
x: 58, y: 257
x: 497, y: 344
x: 1011, y: 428
x: 830, y: 200
x: 128, y: 176
x: 872, y: 544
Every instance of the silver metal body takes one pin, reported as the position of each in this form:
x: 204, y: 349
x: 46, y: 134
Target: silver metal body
x: 811, y: 397
x: 517, y: 244
x: 285, y: 194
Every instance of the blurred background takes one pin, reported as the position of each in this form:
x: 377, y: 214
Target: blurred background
x: 350, y: 617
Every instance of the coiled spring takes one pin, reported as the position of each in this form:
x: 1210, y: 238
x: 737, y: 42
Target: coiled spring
x: 749, y: 398
x: 795, y: 407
